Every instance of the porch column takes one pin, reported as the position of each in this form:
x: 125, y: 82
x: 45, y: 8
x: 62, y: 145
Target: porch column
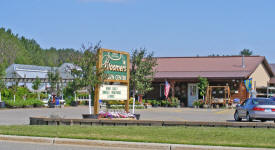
x: 172, y: 83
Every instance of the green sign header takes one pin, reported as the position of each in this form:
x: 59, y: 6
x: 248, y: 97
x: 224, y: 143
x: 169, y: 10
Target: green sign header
x: 115, y: 65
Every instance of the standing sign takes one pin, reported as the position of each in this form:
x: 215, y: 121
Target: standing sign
x: 116, y: 86
x: 113, y: 92
x: 115, y: 65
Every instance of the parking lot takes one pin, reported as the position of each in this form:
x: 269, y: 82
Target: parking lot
x: 21, y: 116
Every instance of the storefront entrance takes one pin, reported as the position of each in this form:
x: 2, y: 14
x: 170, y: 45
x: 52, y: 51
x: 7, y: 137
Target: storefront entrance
x: 192, y: 93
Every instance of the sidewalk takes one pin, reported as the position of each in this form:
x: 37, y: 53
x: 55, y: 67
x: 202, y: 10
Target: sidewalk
x: 118, y: 144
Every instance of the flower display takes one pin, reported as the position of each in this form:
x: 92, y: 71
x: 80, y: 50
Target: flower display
x: 111, y: 115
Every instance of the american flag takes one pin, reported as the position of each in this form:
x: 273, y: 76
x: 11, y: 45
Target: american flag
x: 167, y: 88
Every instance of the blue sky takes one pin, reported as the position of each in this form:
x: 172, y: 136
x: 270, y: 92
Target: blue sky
x: 167, y: 27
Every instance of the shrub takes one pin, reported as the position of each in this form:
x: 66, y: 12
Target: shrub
x: 20, y: 103
x: 136, y: 101
x: 174, y: 102
x: 21, y: 91
x: 198, y: 103
x: 69, y: 100
x: 43, y: 96
x: 164, y: 103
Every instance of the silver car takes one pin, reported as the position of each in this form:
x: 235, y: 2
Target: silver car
x: 256, y: 108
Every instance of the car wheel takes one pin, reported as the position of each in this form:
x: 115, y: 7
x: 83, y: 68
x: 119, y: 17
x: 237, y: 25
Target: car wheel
x: 236, y: 116
x: 263, y: 120
x: 248, y: 118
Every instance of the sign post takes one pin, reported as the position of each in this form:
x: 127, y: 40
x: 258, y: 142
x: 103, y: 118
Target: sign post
x: 116, y: 86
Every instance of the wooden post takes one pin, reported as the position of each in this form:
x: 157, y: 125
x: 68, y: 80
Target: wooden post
x: 210, y: 97
x: 126, y: 102
x: 173, y: 88
x: 128, y: 84
x: 96, y: 97
x: 207, y: 96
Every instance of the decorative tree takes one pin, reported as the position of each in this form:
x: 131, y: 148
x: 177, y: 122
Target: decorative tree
x: 36, y: 85
x: 246, y: 52
x: 85, y: 73
x: 142, y: 71
x: 202, y: 85
x: 54, y: 78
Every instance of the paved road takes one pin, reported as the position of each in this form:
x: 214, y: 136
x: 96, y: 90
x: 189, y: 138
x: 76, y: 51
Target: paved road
x: 105, y: 145
x: 8, y: 145
x: 187, y: 114
x: 21, y: 116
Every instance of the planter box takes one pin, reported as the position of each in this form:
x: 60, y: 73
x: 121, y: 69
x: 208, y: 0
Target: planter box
x: 90, y: 116
x: 137, y: 116
x: 116, y: 118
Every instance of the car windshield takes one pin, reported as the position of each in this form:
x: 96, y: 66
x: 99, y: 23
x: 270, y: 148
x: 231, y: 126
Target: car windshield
x: 263, y: 102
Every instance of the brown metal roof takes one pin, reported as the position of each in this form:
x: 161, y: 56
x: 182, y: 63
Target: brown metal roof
x: 272, y: 80
x: 272, y: 67
x: 210, y: 67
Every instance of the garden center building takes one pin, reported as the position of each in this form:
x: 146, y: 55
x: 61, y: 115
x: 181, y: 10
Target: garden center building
x: 24, y: 75
x: 272, y: 81
x: 182, y: 73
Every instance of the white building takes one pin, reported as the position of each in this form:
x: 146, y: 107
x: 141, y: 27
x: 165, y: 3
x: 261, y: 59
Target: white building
x: 24, y: 75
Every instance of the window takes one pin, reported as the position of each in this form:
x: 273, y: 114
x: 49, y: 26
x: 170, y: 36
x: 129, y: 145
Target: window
x: 193, y: 90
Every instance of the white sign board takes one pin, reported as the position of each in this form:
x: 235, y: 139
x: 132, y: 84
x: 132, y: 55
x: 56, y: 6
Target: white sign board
x: 113, y: 92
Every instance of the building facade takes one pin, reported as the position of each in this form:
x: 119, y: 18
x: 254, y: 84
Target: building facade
x: 24, y: 75
x: 182, y: 73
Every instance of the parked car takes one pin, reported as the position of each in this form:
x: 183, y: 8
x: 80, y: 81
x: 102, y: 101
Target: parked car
x: 256, y: 108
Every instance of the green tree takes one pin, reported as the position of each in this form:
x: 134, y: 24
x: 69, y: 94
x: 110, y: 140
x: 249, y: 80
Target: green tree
x: 14, y: 49
x: 246, y: 52
x: 142, y: 72
x: 202, y: 85
x: 53, y: 79
x: 85, y: 73
x: 36, y: 85
x: 2, y: 75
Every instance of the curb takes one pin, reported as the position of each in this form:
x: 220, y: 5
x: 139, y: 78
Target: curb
x: 118, y: 144
x: 26, y: 139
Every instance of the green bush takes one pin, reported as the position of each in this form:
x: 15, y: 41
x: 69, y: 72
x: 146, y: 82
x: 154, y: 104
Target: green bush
x: 21, y: 91
x: 43, y: 96
x: 155, y: 103
x: 35, y: 102
x: 164, y: 103
x: 20, y: 103
x: 174, y: 102
x: 82, y: 94
x: 198, y: 103
x: 6, y: 93
x: 69, y: 100
x: 136, y: 101
x: 32, y: 95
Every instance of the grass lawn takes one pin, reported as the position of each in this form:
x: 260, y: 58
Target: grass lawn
x: 243, y: 137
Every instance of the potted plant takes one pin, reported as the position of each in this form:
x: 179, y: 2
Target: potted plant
x: 196, y: 103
